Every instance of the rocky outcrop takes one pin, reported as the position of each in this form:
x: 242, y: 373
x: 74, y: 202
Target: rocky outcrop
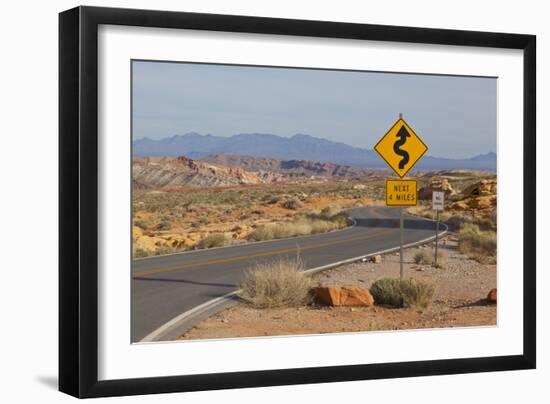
x: 437, y: 184
x: 288, y: 167
x: 166, y: 172
x: 480, y: 189
x: 479, y: 196
x: 342, y: 296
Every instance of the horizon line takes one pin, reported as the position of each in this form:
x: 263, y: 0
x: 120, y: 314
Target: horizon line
x: 294, y: 135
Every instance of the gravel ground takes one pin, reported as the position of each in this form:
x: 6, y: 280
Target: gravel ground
x: 461, y: 287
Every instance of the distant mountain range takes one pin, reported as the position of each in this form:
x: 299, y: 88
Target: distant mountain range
x: 297, y: 147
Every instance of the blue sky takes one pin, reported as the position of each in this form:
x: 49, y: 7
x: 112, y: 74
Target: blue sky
x: 455, y: 116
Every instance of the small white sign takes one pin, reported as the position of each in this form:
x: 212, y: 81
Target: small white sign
x: 438, y: 199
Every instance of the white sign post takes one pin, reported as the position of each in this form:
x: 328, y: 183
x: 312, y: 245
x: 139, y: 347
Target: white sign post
x: 438, y: 202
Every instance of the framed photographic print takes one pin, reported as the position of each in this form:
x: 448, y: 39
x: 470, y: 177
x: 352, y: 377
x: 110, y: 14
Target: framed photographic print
x: 250, y: 201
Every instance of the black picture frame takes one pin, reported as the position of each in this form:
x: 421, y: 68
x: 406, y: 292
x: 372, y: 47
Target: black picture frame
x: 78, y: 196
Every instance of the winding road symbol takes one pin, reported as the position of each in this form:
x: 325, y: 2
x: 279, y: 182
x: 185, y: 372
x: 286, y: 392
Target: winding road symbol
x: 402, y: 135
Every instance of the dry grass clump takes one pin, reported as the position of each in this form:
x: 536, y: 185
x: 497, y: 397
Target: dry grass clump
x: 303, y: 226
x: 261, y: 234
x: 142, y: 224
x: 292, y: 204
x: 457, y: 222
x: 141, y: 253
x: 422, y: 257
x: 402, y: 293
x: 280, y: 283
x: 213, y: 240
x: 477, y: 244
x: 442, y: 258
x: 164, y: 225
x: 416, y: 293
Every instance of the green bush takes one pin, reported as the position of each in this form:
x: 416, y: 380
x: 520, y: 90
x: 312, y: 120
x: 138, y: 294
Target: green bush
x: 387, y: 291
x: 402, y: 293
x: 280, y: 283
x: 213, y: 240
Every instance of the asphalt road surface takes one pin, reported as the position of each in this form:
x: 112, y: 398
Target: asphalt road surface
x: 163, y: 287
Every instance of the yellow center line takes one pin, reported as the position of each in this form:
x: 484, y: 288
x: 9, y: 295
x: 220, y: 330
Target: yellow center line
x: 265, y: 254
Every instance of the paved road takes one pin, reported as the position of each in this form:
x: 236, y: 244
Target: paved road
x: 164, y: 287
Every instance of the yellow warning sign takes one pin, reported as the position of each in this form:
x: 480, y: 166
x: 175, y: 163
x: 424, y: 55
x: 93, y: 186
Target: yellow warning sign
x: 401, y: 148
x: 401, y: 193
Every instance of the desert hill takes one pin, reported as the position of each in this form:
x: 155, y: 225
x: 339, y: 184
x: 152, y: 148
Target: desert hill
x: 223, y: 170
x: 159, y: 172
x: 289, y: 167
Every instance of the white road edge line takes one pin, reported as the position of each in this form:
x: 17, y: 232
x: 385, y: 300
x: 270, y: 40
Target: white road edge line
x: 163, y: 329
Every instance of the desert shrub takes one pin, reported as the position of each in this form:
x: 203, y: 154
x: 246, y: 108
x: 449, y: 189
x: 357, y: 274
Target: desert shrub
x: 142, y: 224
x: 261, y: 234
x: 328, y: 212
x: 340, y: 219
x: 332, y: 214
x: 387, y: 291
x: 280, y: 283
x: 422, y: 257
x: 274, y: 200
x: 402, y: 293
x: 305, y: 225
x: 292, y: 204
x: 321, y: 226
x: 140, y: 253
x: 442, y: 258
x: 485, y: 223
x: 164, y: 225
x: 164, y: 250
x: 416, y: 293
x: 477, y: 244
x: 213, y: 240
x: 266, y: 198
x: 290, y: 229
x: 456, y: 222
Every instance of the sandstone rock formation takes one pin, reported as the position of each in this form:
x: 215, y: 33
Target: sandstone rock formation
x: 342, y: 296
x: 482, y: 188
x: 164, y: 172
x: 492, y: 296
x: 437, y: 184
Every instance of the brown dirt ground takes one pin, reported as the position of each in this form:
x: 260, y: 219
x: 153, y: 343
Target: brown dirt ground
x: 461, y: 287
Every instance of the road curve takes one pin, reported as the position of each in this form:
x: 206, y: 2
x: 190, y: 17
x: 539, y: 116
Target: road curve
x: 163, y: 287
